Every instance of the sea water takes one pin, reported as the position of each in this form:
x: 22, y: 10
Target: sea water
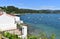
x: 48, y: 23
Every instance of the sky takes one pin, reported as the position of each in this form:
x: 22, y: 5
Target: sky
x: 32, y: 4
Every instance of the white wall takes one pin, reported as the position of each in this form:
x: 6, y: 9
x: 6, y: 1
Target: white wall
x: 7, y: 23
x: 6, y: 19
x: 24, y: 32
x: 17, y: 18
x: 7, y: 27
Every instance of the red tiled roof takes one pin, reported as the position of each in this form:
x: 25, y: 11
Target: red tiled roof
x: 7, y: 14
x: 1, y: 14
x: 10, y: 14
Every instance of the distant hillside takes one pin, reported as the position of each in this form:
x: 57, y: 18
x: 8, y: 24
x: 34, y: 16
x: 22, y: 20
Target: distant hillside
x: 13, y: 10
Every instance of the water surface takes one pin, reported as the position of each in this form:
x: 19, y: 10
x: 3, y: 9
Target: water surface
x: 48, y: 23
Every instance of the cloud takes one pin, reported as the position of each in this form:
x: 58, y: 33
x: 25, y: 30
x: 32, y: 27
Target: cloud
x: 50, y: 7
x: 26, y: 7
x: 41, y: 7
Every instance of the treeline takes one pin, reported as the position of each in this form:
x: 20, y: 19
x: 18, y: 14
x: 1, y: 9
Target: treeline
x: 15, y: 10
x: 12, y: 9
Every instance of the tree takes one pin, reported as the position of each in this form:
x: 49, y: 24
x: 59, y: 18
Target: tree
x: 53, y: 36
x: 32, y: 37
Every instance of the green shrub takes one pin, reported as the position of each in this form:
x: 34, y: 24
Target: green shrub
x: 42, y: 36
x: 32, y: 37
x: 10, y: 36
x: 53, y: 36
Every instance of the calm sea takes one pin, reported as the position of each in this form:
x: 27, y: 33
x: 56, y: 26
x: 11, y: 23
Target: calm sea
x: 48, y: 23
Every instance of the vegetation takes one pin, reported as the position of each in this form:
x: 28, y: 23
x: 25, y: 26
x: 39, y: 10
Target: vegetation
x: 19, y: 26
x: 15, y: 10
x: 41, y: 36
x: 10, y: 36
x: 53, y: 36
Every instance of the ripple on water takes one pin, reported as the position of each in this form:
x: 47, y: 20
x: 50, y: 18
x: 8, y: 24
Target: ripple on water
x: 49, y: 23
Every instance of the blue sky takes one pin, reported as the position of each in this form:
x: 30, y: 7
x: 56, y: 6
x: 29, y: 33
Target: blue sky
x: 32, y: 4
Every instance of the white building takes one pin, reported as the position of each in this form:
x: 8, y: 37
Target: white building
x: 9, y: 22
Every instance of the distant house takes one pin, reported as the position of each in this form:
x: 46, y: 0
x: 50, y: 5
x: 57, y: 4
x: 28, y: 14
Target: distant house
x: 9, y: 22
